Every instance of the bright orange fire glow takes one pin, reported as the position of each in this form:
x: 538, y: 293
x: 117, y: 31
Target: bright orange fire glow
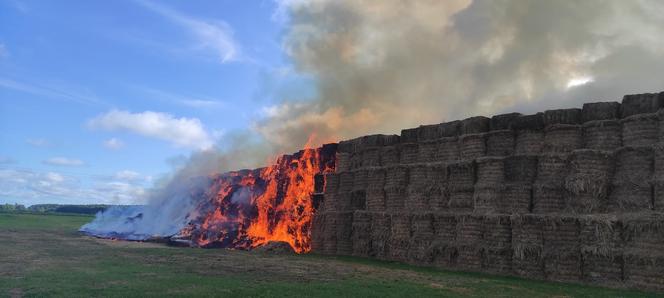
x: 251, y: 208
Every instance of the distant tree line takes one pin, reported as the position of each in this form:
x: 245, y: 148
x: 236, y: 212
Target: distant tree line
x: 54, y: 208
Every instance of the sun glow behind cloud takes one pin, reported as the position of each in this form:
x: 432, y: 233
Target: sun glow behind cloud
x: 578, y: 81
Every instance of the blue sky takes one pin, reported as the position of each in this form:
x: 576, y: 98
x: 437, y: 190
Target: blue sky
x: 97, y: 97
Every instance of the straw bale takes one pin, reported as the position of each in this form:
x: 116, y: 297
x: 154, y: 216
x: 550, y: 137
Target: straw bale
x: 438, y: 198
x: 641, y: 103
x: 371, y: 157
x: 528, y: 122
x: 645, y: 271
x: 375, y: 178
x: 521, y: 168
x: 561, y: 234
x: 409, y: 135
x: 529, y: 142
x: 344, y: 201
x: 552, y: 168
x: 344, y: 229
x: 659, y: 161
x: 421, y: 248
x: 562, y: 138
x: 445, y: 255
x: 346, y: 181
x: 600, y: 234
x: 547, y: 198
x: 395, y: 198
x: 600, y: 111
x: 358, y: 200
x: 399, y: 236
x: 516, y: 198
x: 317, y: 230
x: 562, y: 116
x: 632, y: 188
x: 563, y: 266
x: 360, y: 179
x: 416, y: 201
x: 330, y: 233
x: 428, y: 132
x: 461, y: 174
x: 497, y: 260
x: 601, y: 269
x: 418, y: 177
x: 472, y: 146
x: 487, y: 198
x: 448, y: 150
x: 469, y: 229
x: 587, y: 185
x: 450, y: 129
x: 356, y: 161
x: 389, y: 155
x: 528, y: 264
x: 490, y: 170
x: 376, y: 200
x: 428, y: 151
x: 331, y: 183
x: 500, y: 143
x: 527, y: 235
x: 380, y: 234
x: 342, y: 162
x: 361, y: 236
x: 497, y: 231
x: 469, y: 257
x: 409, y: 153
x: 347, y: 146
x: 640, y: 130
x: 474, y: 125
x: 602, y: 135
x: 644, y: 231
x: 461, y: 199
x: 502, y: 121
x: 658, y: 196
x: 444, y: 225
x: 396, y: 177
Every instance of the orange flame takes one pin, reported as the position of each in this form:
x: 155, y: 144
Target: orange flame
x: 275, y: 203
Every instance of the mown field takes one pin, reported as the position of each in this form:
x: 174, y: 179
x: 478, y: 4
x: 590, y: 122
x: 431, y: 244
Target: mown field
x: 44, y: 255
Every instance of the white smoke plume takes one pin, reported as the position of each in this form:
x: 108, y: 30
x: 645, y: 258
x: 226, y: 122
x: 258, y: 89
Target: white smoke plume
x: 383, y: 65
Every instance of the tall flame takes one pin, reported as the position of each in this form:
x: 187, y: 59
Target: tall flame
x: 250, y: 208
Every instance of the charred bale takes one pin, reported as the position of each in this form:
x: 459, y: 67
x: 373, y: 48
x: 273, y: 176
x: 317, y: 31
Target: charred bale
x: 640, y: 130
x: 632, y: 181
x: 500, y: 143
x: 561, y: 138
x: 562, y: 116
x: 503, y: 121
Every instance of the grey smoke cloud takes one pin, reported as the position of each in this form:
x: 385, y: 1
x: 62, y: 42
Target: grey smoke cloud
x: 380, y: 66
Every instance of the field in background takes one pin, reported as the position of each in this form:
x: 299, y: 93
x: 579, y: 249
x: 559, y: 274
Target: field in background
x: 45, y: 255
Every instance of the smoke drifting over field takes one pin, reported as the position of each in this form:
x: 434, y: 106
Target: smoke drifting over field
x: 380, y: 66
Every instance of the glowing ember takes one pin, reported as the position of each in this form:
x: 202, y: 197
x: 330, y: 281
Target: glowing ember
x: 250, y: 208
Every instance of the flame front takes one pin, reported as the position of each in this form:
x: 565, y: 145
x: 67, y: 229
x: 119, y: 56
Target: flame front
x: 250, y: 208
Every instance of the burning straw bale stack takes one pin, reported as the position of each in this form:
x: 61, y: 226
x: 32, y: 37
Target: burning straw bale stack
x: 564, y: 195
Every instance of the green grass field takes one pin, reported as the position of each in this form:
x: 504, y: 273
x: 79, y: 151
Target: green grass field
x: 44, y: 255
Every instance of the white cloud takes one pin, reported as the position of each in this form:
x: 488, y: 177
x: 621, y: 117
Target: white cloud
x: 64, y: 161
x: 38, y: 142
x: 216, y: 36
x: 113, y: 144
x: 33, y: 187
x: 183, y: 132
x: 127, y: 175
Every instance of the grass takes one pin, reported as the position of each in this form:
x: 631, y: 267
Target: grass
x: 43, y: 255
